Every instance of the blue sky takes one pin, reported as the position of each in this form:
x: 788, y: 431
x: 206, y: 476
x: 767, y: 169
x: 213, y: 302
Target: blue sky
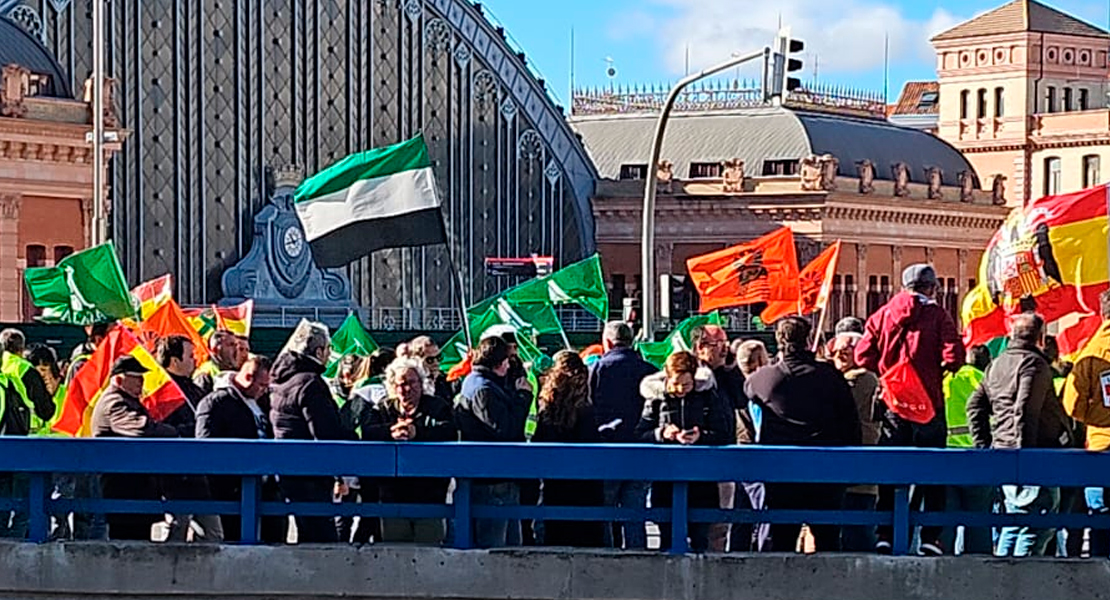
x: 648, y: 39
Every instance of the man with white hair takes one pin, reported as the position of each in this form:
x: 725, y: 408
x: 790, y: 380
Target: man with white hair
x: 409, y: 414
x: 302, y: 408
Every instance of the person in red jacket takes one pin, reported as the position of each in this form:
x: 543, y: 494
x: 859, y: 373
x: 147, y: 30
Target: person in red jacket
x: 914, y: 327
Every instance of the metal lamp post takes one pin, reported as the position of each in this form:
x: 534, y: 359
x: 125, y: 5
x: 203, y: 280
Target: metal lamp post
x: 99, y: 231
x: 647, y: 250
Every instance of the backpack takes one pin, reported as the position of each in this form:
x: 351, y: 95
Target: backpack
x: 15, y: 415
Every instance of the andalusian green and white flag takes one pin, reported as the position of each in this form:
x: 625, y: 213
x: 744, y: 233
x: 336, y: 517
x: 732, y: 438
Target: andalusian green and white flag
x: 381, y: 198
x: 83, y: 288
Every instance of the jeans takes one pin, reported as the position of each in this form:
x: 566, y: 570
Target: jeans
x: 699, y: 494
x: 14, y: 524
x: 976, y: 540
x: 494, y: 533
x: 631, y: 535
x: 1027, y: 500
x: 1096, y: 505
x: 803, y: 496
x: 311, y: 489
x: 898, y: 432
x: 206, y: 529
x: 739, y: 537
x: 858, y: 538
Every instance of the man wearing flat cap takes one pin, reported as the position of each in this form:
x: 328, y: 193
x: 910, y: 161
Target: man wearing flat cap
x: 119, y: 413
x: 912, y: 328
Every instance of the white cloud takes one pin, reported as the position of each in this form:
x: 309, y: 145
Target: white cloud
x: 847, y: 36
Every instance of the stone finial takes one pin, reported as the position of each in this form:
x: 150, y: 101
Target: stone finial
x: 935, y: 177
x: 810, y: 171
x: 900, y: 172
x: 15, y: 83
x: 288, y: 176
x: 998, y: 190
x: 664, y: 177
x: 733, y: 173
x: 111, y: 119
x: 866, y: 170
x: 830, y: 168
x: 967, y: 186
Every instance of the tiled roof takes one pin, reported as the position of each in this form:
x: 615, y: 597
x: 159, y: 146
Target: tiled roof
x: 21, y: 48
x: 755, y: 135
x: 916, y: 101
x: 1022, y: 16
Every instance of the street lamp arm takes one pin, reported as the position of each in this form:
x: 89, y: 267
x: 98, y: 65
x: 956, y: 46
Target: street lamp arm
x: 647, y: 235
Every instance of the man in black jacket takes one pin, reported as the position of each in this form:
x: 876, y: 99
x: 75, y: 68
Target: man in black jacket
x: 1017, y: 391
x: 803, y: 402
x: 302, y: 408
x: 120, y: 413
x: 615, y: 390
x: 488, y: 411
x: 410, y: 415
x: 234, y: 411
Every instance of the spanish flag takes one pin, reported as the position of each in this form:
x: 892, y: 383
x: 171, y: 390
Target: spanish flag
x: 236, y: 319
x: 151, y: 295
x: 814, y: 288
x: 169, y: 320
x: 161, y: 396
x: 763, y: 270
x: 1049, y: 256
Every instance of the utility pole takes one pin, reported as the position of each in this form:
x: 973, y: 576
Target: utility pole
x: 647, y: 238
x: 99, y: 233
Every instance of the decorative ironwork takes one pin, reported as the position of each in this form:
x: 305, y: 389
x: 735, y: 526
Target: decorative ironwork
x: 725, y: 95
x: 216, y: 91
x: 27, y: 18
x: 530, y: 147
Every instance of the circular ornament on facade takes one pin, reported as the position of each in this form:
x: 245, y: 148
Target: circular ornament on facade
x: 530, y: 146
x: 1000, y: 56
x: 965, y: 59
x: 1069, y: 57
x: 485, y: 87
x: 1051, y: 54
x: 437, y: 35
x: 293, y: 240
x: 1084, y: 57
x: 982, y: 57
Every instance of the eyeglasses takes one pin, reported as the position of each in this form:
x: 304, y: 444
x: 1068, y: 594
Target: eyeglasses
x: 433, y: 359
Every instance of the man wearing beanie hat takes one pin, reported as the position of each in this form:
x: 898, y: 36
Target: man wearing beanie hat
x: 914, y: 328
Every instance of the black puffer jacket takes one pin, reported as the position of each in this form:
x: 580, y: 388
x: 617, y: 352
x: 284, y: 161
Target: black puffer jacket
x: 301, y: 406
x: 703, y: 408
x: 1017, y: 390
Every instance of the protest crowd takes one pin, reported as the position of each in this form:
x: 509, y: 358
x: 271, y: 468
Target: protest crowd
x: 707, y: 391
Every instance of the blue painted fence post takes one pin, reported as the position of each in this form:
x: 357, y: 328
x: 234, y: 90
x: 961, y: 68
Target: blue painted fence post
x: 38, y: 518
x: 902, y: 533
x: 248, y: 511
x: 463, y: 521
x: 679, y: 514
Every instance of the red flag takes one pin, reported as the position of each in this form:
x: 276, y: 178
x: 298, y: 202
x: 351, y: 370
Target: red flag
x: 814, y: 287
x: 763, y: 270
x: 169, y: 320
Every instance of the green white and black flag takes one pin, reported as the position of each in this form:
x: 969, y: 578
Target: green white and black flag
x: 381, y: 198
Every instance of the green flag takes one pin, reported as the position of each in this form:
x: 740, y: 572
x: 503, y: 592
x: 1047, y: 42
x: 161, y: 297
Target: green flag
x: 84, y: 288
x: 580, y: 283
x: 538, y: 318
x: 350, y: 338
x: 656, y: 353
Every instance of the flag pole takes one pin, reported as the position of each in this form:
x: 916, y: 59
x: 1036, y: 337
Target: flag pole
x: 820, y: 329
x: 461, y: 294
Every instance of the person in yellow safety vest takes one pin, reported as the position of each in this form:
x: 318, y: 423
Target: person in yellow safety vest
x: 45, y: 361
x: 26, y: 380
x: 958, y: 387
x: 226, y: 354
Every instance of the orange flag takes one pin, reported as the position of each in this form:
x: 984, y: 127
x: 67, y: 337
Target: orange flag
x: 161, y: 396
x: 763, y: 270
x: 814, y: 287
x: 168, y: 319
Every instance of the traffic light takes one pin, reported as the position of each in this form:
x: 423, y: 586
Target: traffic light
x: 674, y: 298
x: 785, y: 63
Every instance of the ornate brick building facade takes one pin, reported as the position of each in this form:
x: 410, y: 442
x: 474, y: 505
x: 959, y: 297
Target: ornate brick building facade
x: 46, y: 184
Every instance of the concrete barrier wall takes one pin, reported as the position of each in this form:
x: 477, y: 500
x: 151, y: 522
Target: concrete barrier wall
x: 92, y: 571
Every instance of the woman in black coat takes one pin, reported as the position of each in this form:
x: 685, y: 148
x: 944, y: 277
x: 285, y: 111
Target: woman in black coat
x: 566, y: 416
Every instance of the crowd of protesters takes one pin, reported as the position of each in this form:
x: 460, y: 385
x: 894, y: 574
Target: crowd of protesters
x: 717, y: 394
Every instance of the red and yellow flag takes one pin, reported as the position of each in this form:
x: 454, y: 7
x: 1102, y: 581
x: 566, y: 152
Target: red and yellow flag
x: 161, y: 396
x: 763, y: 270
x: 151, y: 295
x: 236, y: 319
x: 814, y: 287
x: 1049, y: 256
x: 170, y: 320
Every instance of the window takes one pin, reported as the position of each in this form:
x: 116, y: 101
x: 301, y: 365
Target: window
x: 963, y: 104
x: 999, y: 102
x: 1084, y: 100
x: 61, y: 252
x: 1067, y: 99
x: 1090, y: 171
x: 981, y: 104
x: 1050, y: 99
x: 36, y: 257
x: 780, y: 167
x: 873, y: 294
x: 927, y: 100
x: 704, y: 170
x: 633, y: 172
x: 1051, y: 176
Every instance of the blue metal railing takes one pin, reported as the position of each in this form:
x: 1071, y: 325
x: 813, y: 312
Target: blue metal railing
x: 251, y: 460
